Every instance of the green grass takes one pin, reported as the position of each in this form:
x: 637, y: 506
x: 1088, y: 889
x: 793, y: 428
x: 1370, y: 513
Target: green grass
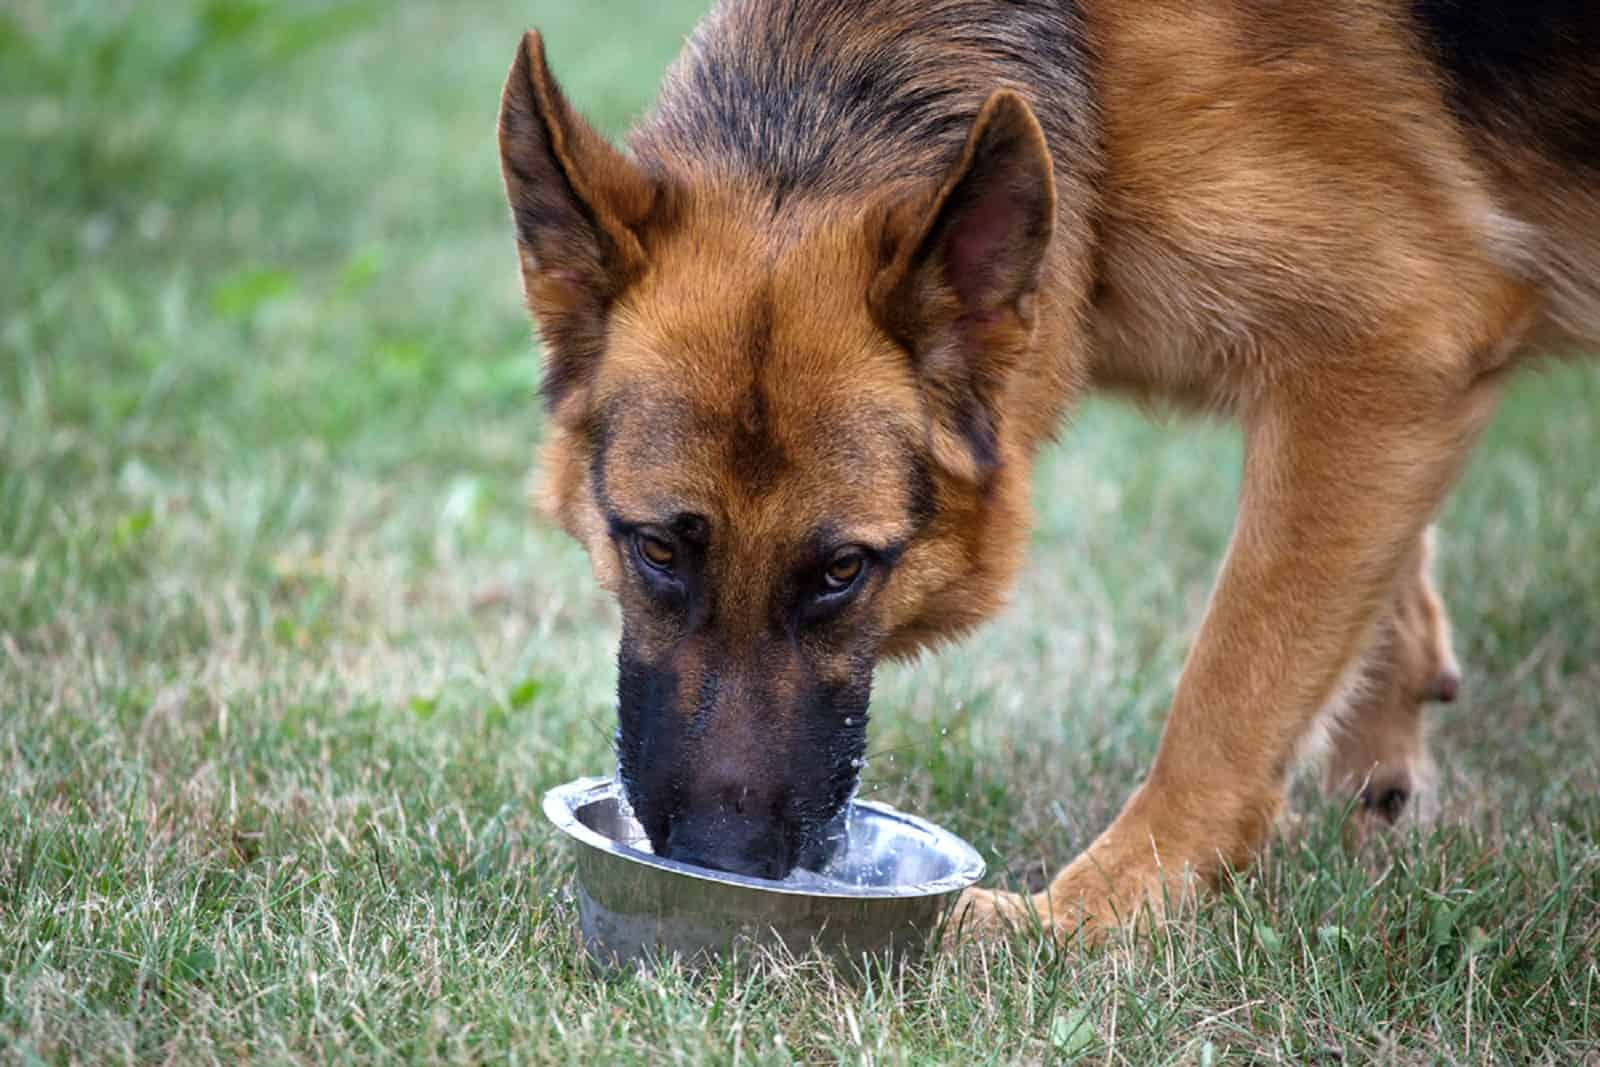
x: 285, y: 664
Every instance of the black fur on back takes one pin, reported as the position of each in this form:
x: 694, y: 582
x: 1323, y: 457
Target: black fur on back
x: 1522, y: 71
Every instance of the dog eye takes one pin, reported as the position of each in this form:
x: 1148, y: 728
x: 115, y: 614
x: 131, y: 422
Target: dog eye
x: 654, y: 551
x: 844, y: 569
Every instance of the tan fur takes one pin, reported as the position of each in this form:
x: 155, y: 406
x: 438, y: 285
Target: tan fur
x: 1325, y: 271
x: 1281, y: 221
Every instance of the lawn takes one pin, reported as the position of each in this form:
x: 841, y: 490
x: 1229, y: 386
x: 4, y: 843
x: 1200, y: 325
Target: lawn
x: 285, y: 661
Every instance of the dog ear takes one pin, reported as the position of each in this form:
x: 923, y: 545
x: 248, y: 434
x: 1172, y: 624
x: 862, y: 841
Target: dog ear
x: 577, y: 204
x: 961, y: 267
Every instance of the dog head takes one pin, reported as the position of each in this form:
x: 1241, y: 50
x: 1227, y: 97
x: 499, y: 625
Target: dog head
x: 782, y: 442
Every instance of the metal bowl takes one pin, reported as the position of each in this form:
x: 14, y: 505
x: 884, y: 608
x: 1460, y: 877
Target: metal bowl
x: 884, y: 893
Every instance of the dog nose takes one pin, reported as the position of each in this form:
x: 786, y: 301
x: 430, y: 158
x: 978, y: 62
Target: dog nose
x: 752, y: 845
x: 733, y: 819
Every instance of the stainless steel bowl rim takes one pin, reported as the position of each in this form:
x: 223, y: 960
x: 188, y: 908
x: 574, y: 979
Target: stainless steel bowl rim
x: 562, y: 803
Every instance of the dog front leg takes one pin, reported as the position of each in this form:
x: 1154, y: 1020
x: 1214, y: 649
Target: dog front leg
x: 1339, y: 485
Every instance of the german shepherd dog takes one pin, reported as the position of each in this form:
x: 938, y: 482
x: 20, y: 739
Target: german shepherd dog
x: 805, y: 337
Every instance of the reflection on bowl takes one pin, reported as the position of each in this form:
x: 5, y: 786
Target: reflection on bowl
x: 885, y: 891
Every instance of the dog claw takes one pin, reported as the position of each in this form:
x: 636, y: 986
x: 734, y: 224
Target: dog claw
x: 1387, y: 803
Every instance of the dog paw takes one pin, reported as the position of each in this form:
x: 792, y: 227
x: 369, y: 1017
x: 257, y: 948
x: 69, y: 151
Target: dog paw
x: 1069, y: 912
x: 1391, y: 796
x: 986, y: 914
x: 1385, y: 801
